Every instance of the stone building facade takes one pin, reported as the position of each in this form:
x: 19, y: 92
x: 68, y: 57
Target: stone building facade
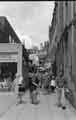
x: 63, y: 43
x: 12, y: 53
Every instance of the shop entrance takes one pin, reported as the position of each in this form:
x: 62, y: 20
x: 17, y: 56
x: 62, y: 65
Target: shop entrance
x: 10, y: 61
x: 8, y: 69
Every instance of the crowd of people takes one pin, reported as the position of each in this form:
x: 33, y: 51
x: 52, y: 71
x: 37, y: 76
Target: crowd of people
x: 39, y: 80
x: 36, y: 83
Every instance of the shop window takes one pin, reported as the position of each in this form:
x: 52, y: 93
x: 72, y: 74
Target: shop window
x: 10, y: 39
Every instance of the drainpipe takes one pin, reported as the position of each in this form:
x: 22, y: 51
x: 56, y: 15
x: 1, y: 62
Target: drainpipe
x: 72, y: 38
x: 64, y: 13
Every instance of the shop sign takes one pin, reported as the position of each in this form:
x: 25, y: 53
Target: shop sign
x: 6, y: 57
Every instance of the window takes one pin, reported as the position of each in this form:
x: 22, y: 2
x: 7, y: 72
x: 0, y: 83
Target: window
x: 74, y: 8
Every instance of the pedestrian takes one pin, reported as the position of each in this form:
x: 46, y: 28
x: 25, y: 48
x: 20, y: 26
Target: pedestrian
x: 15, y: 85
x: 60, y: 82
x: 19, y: 87
x: 30, y: 85
x: 36, y: 91
x: 53, y: 84
x: 33, y: 84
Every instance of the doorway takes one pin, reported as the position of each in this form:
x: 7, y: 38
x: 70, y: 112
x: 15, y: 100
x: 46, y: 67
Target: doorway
x: 6, y: 69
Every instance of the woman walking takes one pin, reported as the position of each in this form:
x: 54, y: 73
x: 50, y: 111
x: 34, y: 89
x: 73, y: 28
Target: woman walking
x: 19, y: 89
x: 60, y: 91
x: 53, y: 84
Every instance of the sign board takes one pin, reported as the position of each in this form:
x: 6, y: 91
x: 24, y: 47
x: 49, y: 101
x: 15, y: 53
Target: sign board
x: 8, y: 57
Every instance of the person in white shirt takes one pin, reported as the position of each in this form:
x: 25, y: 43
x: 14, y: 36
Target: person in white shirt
x: 53, y: 84
x: 18, y: 87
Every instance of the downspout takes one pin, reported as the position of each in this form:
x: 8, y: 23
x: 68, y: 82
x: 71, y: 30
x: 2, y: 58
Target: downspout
x: 72, y: 38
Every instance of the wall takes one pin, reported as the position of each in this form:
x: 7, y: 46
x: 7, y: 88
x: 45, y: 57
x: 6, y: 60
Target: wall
x: 65, y: 43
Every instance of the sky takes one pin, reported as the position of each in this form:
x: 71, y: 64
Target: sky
x: 29, y: 19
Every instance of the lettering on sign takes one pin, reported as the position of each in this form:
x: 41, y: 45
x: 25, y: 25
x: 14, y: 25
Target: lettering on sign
x: 5, y: 56
x: 9, y: 57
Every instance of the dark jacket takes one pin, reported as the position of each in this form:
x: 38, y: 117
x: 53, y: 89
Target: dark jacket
x: 32, y: 86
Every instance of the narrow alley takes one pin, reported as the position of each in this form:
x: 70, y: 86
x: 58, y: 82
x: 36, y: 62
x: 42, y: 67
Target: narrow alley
x: 38, y: 60
x: 46, y: 110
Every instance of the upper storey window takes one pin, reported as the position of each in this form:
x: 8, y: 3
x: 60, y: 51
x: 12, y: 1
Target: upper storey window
x: 74, y: 8
x: 66, y: 3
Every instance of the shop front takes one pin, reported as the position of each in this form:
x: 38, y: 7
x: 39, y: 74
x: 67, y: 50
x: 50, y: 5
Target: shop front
x: 10, y: 60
